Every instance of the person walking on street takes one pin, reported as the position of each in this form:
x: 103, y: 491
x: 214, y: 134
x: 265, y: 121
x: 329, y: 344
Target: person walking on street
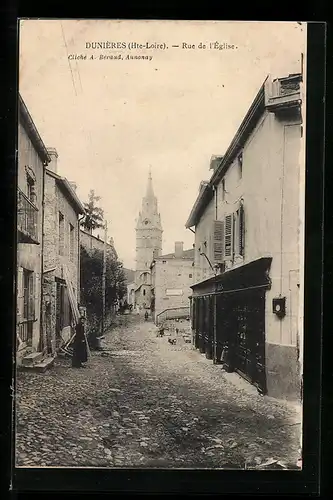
x: 80, y: 354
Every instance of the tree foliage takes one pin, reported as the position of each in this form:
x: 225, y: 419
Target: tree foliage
x: 94, y: 215
x: 92, y: 281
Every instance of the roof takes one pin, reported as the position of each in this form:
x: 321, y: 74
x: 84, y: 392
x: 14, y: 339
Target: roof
x: 32, y: 131
x: 247, y: 126
x: 203, y: 198
x: 69, y: 191
x: 187, y: 255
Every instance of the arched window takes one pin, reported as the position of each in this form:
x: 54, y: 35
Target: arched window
x: 144, y: 292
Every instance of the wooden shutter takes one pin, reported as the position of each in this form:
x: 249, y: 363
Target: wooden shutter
x: 218, y: 241
x: 236, y: 249
x: 31, y: 297
x: 19, y: 292
x: 228, y: 237
x: 25, y: 294
x: 241, y: 231
x: 66, y: 308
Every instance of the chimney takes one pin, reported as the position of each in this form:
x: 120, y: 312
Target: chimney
x: 54, y: 159
x: 215, y: 162
x: 179, y: 249
x: 73, y: 185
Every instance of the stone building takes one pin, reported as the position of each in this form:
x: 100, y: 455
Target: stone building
x: 247, y: 295
x: 171, y: 278
x: 32, y: 158
x: 148, y: 245
x: 61, y: 276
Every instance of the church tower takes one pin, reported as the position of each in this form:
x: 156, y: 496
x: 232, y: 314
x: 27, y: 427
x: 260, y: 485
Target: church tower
x: 148, y: 243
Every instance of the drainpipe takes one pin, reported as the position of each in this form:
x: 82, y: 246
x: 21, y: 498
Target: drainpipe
x: 42, y: 347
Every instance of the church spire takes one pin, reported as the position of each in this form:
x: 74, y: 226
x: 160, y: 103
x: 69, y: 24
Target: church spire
x: 150, y: 191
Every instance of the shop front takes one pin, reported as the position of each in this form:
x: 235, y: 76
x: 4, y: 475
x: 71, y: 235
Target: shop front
x: 228, y: 319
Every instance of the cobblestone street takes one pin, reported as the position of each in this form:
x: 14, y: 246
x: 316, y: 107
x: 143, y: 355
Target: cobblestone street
x: 143, y: 402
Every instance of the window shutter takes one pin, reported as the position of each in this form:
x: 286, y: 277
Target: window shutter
x: 25, y: 294
x: 218, y: 239
x: 31, y: 297
x: 228, y: 237
x: 19, y: 292
x: 241, y: 231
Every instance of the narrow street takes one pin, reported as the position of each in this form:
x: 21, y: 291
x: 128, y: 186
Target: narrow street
x: 143, y: 402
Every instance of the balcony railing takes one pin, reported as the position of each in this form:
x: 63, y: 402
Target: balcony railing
x: 172, y: 313
x: 283, y: 92
x: 27, y: 220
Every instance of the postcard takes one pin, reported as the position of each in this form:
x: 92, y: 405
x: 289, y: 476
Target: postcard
x: 160, y: 250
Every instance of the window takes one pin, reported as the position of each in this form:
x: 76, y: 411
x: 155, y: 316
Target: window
x: 31, y: 185
x: 239, y: 232
x: 71, y: 242
x: 223, y: 189
x: 30, y: 188
x: 144, y: 292
x: 240, y: 165
x: 28, y: 295
x: 190, y: 275
x: 61, y: 234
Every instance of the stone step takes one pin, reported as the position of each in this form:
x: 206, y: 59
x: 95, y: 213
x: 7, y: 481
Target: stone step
x: 42, y: 366
x: 32, y: 358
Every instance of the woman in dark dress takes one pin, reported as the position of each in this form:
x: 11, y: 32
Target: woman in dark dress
x: 80, y: 354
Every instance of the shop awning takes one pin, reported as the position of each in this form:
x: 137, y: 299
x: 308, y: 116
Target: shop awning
x: 251, y: 275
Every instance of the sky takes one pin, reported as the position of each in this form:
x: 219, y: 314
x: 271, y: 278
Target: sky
x: 111, y: 120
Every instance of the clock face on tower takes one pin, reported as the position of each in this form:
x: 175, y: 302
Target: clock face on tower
x: 146, y: 222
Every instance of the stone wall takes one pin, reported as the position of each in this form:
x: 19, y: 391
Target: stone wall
x: 29, y: 256
x: 91, y: 243
x: 58, y: 252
